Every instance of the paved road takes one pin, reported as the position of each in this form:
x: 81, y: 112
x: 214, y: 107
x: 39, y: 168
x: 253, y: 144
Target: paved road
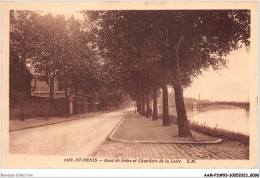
x: 88, y: 137
x: 82, y: 137
x: 224, y: 150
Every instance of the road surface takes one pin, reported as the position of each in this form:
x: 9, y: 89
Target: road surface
x: 231, y: 150
x: 82, y: 137
x: 88, y: 137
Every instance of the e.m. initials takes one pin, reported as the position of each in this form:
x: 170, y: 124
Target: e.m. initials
x: 191, y: 161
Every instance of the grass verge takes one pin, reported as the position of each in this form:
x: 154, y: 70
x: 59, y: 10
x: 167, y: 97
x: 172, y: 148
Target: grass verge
x: 214, y: 132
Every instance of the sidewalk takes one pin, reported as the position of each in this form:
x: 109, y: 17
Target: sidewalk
x: 138, y: 129
x: 140, y: 137
x: 15, y: 125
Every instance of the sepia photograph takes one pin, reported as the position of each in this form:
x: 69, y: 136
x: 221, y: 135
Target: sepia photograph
x: 129, y: 85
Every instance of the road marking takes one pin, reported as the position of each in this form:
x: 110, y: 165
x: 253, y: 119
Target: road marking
x: 115, y: 129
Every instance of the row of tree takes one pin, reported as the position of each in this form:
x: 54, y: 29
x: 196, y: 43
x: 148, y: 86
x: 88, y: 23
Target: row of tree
x: 56, y: 48
x: 150, y: 50
x: 112, y: 53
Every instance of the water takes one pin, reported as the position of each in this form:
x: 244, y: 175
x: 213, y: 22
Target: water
x: 235, y: 120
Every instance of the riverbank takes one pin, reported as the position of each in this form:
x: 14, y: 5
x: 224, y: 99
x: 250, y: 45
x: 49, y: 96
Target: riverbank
x: 135, y: 128
x: 215, y: 132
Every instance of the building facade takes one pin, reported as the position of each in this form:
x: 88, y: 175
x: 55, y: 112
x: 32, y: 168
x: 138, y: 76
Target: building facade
x: 41, y: 89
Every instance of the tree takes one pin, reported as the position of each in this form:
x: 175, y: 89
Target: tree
x: 187, y: 42
x: 201, y: 39
x: 23, y: 35
x: 119, y: 43
x: 50, y: 50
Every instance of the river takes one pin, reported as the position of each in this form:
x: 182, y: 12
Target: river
x: 235, y: 120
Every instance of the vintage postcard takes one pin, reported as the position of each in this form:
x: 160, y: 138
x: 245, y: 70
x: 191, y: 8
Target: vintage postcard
x: 129, y: 85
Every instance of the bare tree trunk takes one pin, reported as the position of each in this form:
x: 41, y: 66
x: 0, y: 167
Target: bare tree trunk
x: 183, y: 127
x: 75, y: 100
x: 143, y: 104
x: 147, y: 106
x: 21, y: 92
x: 83, y: 109
x: 138, y: 105
x: 155, y: 110
x: 21, y: 104
x: 22, y: 86
x: 166, y: 119
x: 48, y: 114
x: 66, y: 105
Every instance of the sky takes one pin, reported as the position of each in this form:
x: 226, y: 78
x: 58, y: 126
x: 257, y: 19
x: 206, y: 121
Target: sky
x: 67, y: 12
x: 227, y: 84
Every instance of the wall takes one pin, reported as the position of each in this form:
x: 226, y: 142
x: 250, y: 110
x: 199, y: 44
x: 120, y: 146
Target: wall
x: 38, y: 107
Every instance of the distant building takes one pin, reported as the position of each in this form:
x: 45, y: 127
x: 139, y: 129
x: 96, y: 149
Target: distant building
x: 41, y: 89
